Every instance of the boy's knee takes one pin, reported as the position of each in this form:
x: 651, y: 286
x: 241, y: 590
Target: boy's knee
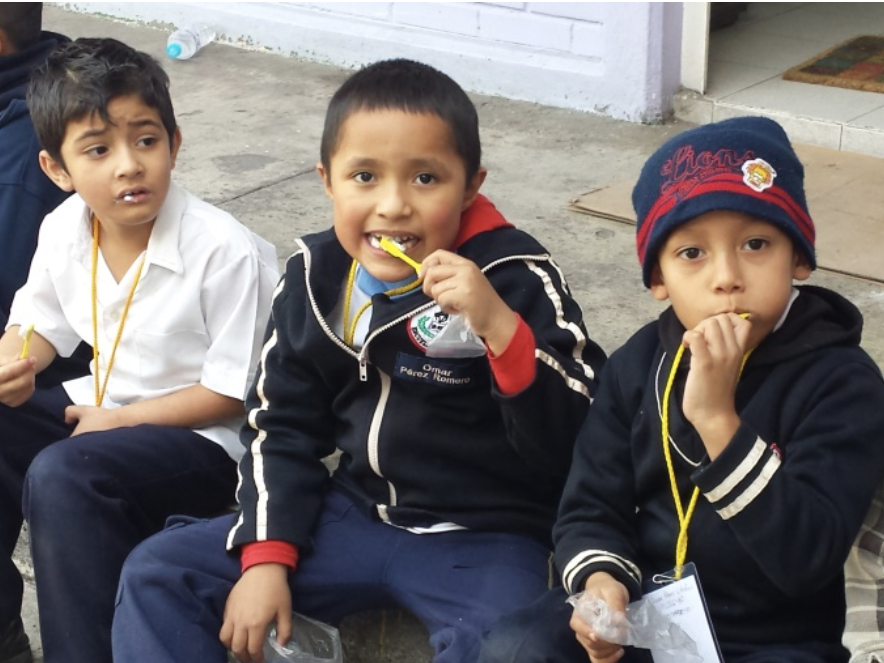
x: 61, y: 480
x: 147, y: 562
x: 51, y: 473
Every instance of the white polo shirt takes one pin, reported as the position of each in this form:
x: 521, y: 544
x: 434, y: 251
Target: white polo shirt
x: 197, y: 316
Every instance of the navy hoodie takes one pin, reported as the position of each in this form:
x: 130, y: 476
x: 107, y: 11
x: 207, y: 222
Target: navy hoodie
x: 26, y: 194
x: 780, y: 506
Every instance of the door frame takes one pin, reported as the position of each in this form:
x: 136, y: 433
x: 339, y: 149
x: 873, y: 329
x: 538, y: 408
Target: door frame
x: 695, y: 45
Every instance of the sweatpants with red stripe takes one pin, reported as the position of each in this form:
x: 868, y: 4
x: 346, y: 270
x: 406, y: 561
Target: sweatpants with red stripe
x: 174, y: 585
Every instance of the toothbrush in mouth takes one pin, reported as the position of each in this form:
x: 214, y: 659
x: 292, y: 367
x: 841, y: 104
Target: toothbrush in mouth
x: 393, y: 249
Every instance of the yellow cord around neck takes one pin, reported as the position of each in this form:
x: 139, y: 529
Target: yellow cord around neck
x: 684, y: 518
x: 101, y: 387
x: 350, y: 325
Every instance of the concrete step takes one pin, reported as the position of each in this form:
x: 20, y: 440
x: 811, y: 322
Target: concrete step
x: 699, y: 109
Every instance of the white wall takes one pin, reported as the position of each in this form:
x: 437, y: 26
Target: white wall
x: 618, y: 59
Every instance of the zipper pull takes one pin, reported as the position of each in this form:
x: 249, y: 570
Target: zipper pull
x: 363, y: 368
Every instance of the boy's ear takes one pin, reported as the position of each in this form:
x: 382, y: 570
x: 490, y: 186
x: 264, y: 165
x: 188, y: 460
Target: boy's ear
x: 800, y: 267
x: 55, y: 172
x: 473, y: 187
x: 658, y: 288
x: 326, y: 181
x: 176, y: 145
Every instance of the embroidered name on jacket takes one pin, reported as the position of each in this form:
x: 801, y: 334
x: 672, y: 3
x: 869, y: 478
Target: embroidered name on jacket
x: 431, y: 371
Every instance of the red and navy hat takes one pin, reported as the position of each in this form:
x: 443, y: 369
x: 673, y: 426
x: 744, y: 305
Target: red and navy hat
x: 744, y: 164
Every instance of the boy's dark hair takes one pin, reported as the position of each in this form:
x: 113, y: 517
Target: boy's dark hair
x: 82, y: 77
x: 21, y: 23
x: 412, y: 87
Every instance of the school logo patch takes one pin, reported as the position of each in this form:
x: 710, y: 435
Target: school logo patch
x: 758, y: 174
x: 427, y: 325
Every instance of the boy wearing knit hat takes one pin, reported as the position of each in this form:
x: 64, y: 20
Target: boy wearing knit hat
x: 738, y: 434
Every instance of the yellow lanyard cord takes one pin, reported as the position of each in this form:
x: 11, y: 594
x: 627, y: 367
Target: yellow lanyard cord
x: 684, y: 519
x: 350, y: 326
x: 99, y: 390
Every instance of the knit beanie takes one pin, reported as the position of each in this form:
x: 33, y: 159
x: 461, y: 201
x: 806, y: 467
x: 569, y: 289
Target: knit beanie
x: 744, y: 164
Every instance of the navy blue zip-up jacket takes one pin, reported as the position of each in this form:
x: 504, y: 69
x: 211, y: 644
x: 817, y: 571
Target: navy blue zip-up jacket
x: 26, y: 194
x: 780, y: 506
x: 424, y: 440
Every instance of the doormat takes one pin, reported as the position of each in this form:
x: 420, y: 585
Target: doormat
x: 857, y: 64
x: 845, y: 198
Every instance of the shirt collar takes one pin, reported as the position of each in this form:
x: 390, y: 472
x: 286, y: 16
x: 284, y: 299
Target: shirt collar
x: 372, y: 286
x: 163, y: 247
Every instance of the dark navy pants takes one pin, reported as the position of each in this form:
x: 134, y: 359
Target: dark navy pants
x: 174, y: 585
x: 541, y: 633
x: 88, y: 501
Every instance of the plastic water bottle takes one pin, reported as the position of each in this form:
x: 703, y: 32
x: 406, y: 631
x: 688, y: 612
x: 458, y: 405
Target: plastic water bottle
x: 185, y: 42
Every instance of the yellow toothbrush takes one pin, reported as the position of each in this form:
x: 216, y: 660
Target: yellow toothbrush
x: 393, y: 249
x: 27, y: 337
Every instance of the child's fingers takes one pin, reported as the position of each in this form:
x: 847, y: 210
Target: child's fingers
x: 248, y: 645
x: 15, y: 367
x: 225, y: 635
x: 17, y: 381
x: 239, y: 641
x: 723, y: 335
x: 600, y: 651
x: 693, y: 340
x: 256, y: 644
x: 719, y: 336
x: 742, y: 329
x: 72, y: 414
x: 283, y: 626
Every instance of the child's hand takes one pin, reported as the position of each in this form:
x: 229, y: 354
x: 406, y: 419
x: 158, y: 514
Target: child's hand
x: 717, y: 347
x: 90, y: 419
x: 459, y: 286
x: 604, y: 586
x: 17, y: 380
x: 259, y: 597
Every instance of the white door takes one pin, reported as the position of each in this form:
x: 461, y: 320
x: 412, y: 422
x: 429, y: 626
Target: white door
x: 695, y: 45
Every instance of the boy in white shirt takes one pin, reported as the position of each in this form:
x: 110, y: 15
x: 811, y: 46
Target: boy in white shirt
x: 173, y: 295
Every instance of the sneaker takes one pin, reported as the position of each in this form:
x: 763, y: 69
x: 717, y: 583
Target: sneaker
x: 14, y: 644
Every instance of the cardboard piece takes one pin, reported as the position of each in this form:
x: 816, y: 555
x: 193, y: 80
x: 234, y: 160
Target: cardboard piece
x: 845, y: 195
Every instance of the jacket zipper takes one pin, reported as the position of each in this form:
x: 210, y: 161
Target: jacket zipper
x: 362, y: 357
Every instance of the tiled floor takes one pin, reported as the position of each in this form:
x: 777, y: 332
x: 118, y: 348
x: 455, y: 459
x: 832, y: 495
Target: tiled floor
x: 748, y: 58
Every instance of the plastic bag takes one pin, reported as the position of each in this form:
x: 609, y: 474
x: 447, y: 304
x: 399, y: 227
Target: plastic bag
x: 311, y: 642
x: 642, y: 625
x: 456, y: 339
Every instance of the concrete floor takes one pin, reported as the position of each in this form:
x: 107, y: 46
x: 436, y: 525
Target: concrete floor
x: 252, y: 121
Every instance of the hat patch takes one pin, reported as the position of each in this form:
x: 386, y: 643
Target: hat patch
x: 758, y: 174
x: 427, y: 325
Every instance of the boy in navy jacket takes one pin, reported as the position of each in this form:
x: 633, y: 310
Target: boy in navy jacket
x: 749, y: 398
x: 451, y: 465
x: 26, y: 193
